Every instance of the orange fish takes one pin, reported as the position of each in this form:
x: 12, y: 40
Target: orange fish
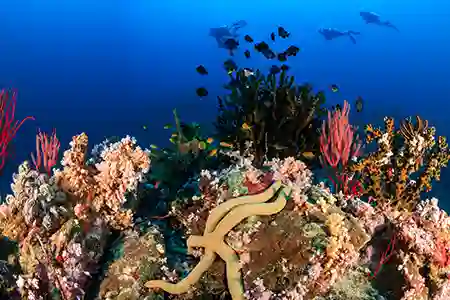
x: 213, y: 152
x: 308, y: 155
x: 226, y: 145
x: 245, y: 126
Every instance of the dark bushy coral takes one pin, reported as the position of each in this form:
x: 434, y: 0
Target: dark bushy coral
x: 282, y: 117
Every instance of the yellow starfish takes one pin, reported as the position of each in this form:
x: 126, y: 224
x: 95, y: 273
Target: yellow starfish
x: 220, y: 221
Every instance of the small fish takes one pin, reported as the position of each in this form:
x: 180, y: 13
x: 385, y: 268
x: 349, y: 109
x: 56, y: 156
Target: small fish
x: 245, y: 126
x: 231, y: 45
x: 167, y: 126
x: 173, y: 140
x: 210, y: 140
x: 274, y: 69
x: 272, y: 36
x: 226, y: 145
x: 202, y: 70
x: 308, y: 155
x: 284, y: 67
x: 262, y: 46
x: 248, y: 72
x: 213, y: 152
x: 267, y: 103
x: 278, y: 147
x: 153, y: 146
x: 202, y: 145
x: 202, y: 92
x: 247, y: 54
x: 248, y: 39
x: 359, y: 104
x: 334, y: 88
x: 282, y: 56
x: 292, y: 50
x: 283, y: 33
x: 144, y: 127
x: 269, y: 54
x: 230, y: 66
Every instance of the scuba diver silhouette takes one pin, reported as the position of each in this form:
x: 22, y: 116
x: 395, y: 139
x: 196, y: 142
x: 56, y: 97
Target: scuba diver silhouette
x: 373, y: 18
x: 332, y: 33
x: 224, y: 33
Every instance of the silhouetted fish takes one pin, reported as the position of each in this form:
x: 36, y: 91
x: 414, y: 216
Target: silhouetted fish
x: 292, y: 50
x: 202, y: 92
x: 283, y: 33
x: 282, y: 56
x: 248, y: 39
x: 272, y: 36
x: 230, y: 66
x: 359, y: 103
x: 202, y: 70
x: 231, y: 45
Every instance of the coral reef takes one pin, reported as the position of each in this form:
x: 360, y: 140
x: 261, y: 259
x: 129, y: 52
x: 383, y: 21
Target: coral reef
x: 242, y: 214
x: 62, y: 222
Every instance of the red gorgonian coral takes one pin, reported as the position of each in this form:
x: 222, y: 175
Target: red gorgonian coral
x: 8, y: 125
x: 338, y: 144
x: 47, y: 149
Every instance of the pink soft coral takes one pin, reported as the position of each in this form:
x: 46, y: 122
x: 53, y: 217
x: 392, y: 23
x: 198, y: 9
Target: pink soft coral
x: 293, y: 173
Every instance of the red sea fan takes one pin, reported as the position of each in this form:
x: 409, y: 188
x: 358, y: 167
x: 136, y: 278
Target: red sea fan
x: 47, y: 149
x: 8, y: 125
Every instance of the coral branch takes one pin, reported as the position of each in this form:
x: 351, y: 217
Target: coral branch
x: 338, y: 142
x: 47, y: 149
x: 8, y: 126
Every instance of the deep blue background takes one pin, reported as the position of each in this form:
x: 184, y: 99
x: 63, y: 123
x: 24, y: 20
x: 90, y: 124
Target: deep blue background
x: 109, y: 67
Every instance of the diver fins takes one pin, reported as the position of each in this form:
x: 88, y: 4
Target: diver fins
x: 390, y: 25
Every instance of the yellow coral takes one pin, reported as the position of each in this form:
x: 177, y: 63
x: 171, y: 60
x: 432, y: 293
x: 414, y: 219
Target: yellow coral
x: 387, y: 171
x: 335, y: 223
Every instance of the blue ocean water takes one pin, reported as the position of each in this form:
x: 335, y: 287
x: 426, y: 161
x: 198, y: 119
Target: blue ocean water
x: 109, y: 67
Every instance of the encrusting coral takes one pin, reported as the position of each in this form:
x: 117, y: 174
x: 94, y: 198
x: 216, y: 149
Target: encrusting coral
x: 36, y: 201
x: 143, y: 258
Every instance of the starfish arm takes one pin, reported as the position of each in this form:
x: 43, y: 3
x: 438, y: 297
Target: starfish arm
x: 183, y: 286
x: 242, y: 212
x: 217, y: 213
x: 197, y: 241
x: 234, y: 278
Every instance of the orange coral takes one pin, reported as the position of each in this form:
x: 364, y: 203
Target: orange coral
x: 387, y: 171
x: 105, y: 185
x: 76, y: 178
